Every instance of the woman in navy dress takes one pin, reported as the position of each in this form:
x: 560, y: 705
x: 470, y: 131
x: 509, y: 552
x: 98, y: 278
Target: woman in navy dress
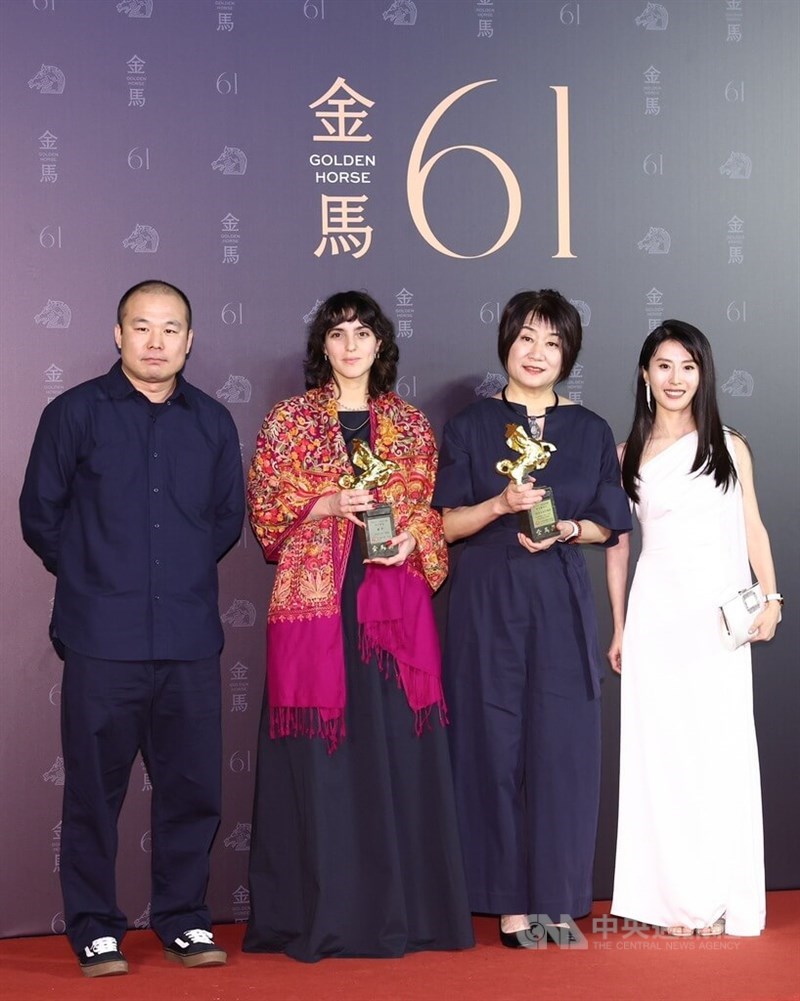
x: 522, y: 658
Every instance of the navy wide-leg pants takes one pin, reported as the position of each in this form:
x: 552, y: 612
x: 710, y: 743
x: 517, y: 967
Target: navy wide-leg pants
x: 170, y: 710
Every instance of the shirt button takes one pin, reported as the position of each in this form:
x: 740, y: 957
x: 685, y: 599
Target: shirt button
x: 157, y: 562
x: 156, y: 597
x: 155, y: 455
x: 156, y: 525
x: 155, y: 490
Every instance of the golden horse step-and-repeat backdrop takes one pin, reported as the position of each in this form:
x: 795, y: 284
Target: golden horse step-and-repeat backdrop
x: 442, y: 154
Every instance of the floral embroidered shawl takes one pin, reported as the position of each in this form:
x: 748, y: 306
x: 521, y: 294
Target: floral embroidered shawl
x: 300, y: 455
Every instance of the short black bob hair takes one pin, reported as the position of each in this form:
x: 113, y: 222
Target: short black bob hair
x: 340, y: 308
x: 548, y: 306
x: 155, y: 285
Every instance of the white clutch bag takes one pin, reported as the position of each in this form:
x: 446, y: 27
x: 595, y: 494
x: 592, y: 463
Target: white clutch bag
x: 737, y: 615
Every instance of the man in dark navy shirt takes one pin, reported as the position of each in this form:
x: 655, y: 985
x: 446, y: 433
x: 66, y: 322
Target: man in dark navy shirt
x: 132, y: 494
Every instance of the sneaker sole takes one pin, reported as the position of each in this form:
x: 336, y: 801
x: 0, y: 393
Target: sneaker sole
x: 212, y: 958
x: 114, y: 968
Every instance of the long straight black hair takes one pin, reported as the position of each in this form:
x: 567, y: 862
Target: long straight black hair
x: 712, y: 457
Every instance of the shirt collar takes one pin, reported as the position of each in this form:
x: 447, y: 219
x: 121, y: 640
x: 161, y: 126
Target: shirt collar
x: 119, y: 386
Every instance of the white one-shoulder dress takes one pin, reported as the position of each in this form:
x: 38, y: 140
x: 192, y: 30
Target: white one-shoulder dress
x: 690, y: 834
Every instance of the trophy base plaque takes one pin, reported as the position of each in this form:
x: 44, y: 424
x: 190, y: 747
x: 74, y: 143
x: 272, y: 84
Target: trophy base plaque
x: 378, y: 530
x: 540, y: 522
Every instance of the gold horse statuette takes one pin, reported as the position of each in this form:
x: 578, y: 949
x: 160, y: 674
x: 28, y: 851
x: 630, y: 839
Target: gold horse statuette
x: 375, y: 473
x: 533, y: 454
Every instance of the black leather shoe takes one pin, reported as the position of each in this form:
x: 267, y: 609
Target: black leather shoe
x: 522, y: 939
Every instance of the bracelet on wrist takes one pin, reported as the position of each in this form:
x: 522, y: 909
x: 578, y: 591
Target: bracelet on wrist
x: 575, y: 534
x: 573, y: 539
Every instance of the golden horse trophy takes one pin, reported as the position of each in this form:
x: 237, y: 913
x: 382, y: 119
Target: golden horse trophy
x: 379, y: 526
x: 540, y: 521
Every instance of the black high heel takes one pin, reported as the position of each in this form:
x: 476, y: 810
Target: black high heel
x: 521, y: 939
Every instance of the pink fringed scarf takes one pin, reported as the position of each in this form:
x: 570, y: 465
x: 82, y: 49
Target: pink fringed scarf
x: 306, y: 674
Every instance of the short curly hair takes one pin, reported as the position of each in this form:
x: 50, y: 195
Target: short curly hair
x: 340, y: 308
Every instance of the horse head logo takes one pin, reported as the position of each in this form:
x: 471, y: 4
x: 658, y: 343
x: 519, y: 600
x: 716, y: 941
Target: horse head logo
x: 143, y: 240
x: 55, y: 773
x: 241, y: 613
x: 231, y: 160
x: 656, y: 241
x: 309, y: 316
x: 56, y: 315
x: 135, y: 8
x: 654, y: 17
x: 237, y: 389
x: 584, y: 312
x: 738, y: 167
x: 739, y: 384
x: 239, y: 838
x: 402, y: 12
x: 491, y: 385
x: 49, y: 80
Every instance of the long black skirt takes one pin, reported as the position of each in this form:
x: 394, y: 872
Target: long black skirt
x: 357, y: 853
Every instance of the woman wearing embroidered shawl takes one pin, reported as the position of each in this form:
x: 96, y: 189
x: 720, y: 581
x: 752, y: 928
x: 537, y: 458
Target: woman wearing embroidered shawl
x: 355, y: 848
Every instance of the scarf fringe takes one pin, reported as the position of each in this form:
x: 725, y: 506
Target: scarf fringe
x: 373, y: 639
x: 297, y: 721
x: 423, y: 690
x: 422, y: 717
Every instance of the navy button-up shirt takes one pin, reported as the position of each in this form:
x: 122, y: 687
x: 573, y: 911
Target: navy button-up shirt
x: 130, y: 504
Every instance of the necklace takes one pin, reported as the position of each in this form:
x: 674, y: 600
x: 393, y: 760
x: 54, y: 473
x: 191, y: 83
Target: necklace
x: 360, y: 407
x: 533, y: 419
x: 358, y: 428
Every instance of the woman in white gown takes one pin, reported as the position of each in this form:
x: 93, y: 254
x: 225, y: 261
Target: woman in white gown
x: 689, y: 841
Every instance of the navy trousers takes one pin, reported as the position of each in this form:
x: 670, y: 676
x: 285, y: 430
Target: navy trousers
x: 170, y: 710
